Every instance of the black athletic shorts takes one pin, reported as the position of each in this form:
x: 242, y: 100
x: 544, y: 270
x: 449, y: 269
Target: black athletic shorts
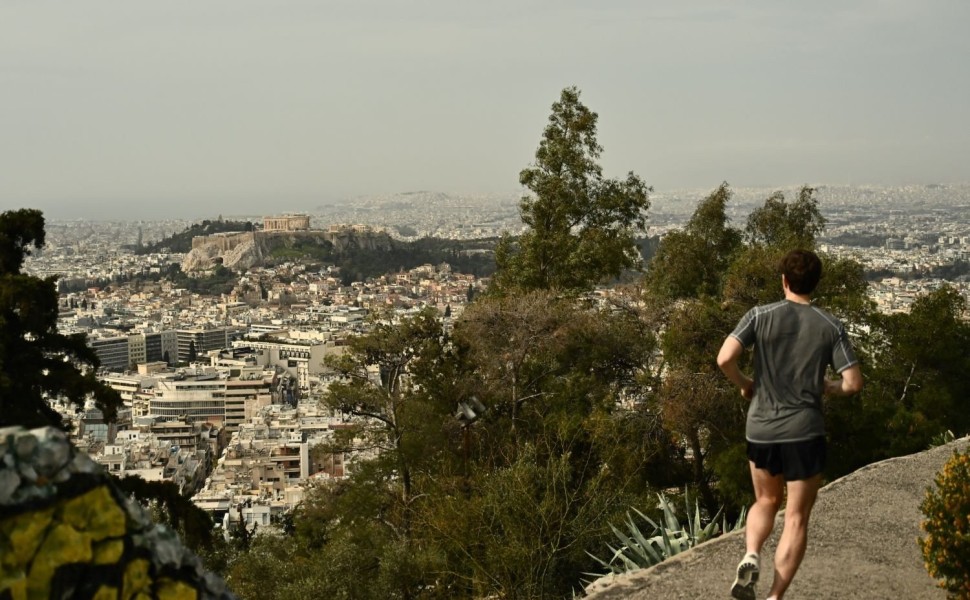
x: 794, y: 460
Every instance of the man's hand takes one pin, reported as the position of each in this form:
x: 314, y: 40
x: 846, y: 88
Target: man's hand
x: 851, y: 383
x: 727, y: 360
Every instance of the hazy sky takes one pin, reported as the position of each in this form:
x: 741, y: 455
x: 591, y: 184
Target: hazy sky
x: 137, y: 107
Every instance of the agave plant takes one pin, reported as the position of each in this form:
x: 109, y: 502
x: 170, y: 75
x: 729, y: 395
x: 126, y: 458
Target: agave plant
x: 637, y: 550
x: 941, y: 439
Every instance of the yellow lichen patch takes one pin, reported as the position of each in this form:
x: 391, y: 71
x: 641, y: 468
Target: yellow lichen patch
x: 96, y: 512
x: 105, y: 592
x: 169, y: 589
x: 62, y: 546
x: 108, y: 552
x: 24, y: 533
x: 16, y: 586
x: 136, y: 581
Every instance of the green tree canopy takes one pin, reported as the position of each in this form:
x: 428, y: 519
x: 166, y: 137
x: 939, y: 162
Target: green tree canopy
x: 554, y: 459
x: 771, y: 231
x: 780, y: 223
x: 694, y: 261
x: 581, y: 226
x: 504, y: 505
x: 915, y: 365
x: 385, y: 377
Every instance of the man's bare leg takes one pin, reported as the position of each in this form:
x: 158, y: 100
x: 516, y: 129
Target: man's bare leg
x: 768, y: 493
x: 794, y: 538
x: 768, y: 490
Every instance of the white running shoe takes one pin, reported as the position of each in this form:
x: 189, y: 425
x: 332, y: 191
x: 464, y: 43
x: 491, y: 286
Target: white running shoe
x: 744, y: 584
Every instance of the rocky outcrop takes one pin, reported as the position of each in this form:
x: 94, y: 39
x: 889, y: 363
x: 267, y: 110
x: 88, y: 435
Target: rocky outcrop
x: 233, y: 250
x: 66, y: 531
x: 240, y: 251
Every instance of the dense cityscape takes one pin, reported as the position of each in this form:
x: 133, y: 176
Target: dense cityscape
x: 501, y: 300
x: 221, y: 391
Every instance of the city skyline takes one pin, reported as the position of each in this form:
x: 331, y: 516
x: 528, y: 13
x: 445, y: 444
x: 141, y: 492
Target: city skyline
x: 153, y: 109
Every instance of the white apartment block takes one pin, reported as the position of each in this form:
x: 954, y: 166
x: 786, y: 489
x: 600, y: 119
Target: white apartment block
x: 211, y: 399
x: 301, y: 358
x: 129, y: 386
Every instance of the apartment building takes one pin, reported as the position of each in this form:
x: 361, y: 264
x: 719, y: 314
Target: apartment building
x: 160, y: 346
x: 265, y: 466
x: 112, y: 351
x: 301, y: 358
x: 210, y: 398
x: 202, y: 340
x: 199, y: 399
x: 129, y: 386
x: 245, y: 395
x: 92, y: 427
x: 120, y: 352
x: 136, y: 349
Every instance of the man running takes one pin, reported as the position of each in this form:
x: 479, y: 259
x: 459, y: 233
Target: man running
x: 794, y: 343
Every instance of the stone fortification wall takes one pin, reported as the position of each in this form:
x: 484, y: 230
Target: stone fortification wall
x: 67, y: 532
x: 223, y: 242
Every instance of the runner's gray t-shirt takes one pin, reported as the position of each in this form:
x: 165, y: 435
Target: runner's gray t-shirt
x: 793, y: 345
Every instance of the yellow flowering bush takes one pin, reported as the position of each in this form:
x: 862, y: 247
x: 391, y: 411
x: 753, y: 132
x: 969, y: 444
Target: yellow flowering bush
x: 946, y: 547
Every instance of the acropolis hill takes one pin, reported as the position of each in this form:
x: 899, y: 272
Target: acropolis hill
x: 249, y: 248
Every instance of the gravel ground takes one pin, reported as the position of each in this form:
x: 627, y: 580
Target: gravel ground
x: 862, y: 544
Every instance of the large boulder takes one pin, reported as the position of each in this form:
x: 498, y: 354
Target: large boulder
x: 66, y: 531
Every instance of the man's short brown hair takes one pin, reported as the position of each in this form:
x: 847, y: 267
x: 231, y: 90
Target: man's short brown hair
x: 802, y: 269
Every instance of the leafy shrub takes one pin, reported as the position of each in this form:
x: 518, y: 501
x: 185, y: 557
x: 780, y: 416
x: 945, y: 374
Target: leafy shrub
x: 946, y: 547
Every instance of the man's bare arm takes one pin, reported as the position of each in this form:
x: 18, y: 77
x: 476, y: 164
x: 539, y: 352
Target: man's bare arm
x: 851, y: 382
x: 727, y: 360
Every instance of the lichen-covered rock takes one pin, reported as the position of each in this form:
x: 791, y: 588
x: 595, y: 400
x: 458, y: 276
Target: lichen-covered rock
x: 23, y: 535
x: 62, y: 545
x: 96, y: 513
x: 66, y: 531
x: 108, y: 552
x: 136, y: 579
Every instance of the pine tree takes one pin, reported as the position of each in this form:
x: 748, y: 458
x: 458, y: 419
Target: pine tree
x: 581, y: 227
x: 36, y: 362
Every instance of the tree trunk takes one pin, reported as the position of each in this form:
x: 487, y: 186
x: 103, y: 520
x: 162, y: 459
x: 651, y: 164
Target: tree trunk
x: 700, y: 478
